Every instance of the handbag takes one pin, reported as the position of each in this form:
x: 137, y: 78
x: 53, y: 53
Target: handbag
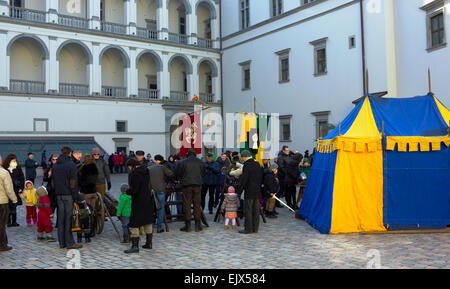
x: 157, y: 204
x: 155, y: 199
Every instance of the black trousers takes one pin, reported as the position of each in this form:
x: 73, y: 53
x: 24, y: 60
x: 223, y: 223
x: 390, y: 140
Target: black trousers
x: 252, y: 211
x: 290, y: 194
x: 4, y: 213
x: 65, y: 212
x: 12, y: 215
x: 212, y: 189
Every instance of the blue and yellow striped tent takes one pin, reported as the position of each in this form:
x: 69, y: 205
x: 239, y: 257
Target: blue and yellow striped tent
x: 386, y: 167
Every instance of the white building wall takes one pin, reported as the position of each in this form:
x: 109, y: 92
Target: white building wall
x: 413, y: 58
x: 89, y: 115
x: 305, y: 93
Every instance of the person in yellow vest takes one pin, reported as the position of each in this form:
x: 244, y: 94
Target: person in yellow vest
x: 30, y: 198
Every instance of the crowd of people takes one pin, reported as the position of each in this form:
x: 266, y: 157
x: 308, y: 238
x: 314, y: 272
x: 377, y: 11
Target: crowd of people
x: 236, y: 184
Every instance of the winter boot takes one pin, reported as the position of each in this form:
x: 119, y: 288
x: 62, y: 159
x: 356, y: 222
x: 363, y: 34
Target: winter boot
x: 126, y: 239
x: 50, y: 238
x: 148, y: 242
x: 134, y: 246
x: 87, y: 239
x: 227, y: 227
x: 14, y: 220
x: 40, y: 237
x: 187, y: 227
x: 198, y: 226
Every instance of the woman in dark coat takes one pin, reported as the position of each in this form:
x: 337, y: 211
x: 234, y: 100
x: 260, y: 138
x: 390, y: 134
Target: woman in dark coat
x: 142, y: 205
x: 87, y: 179
x: 292, y: 178
x: 48, y: 179
x: 12, y: 166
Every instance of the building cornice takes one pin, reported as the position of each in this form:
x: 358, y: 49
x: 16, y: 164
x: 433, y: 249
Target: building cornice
x: 100, y: 98
x: 250, y: 39
x: 273, y: 19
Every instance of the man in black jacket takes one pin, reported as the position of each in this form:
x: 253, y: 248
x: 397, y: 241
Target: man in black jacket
x: 66, y: 190
x: 250, y: 183
x: 189, y: 172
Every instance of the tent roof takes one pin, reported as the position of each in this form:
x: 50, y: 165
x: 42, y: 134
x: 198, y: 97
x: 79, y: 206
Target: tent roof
x: 416, y: 116
x: 416, y: 120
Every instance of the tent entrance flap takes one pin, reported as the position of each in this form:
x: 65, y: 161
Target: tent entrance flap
x: 358, y: 193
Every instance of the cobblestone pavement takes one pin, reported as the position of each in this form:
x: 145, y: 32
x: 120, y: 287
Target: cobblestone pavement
x: 281, y: 243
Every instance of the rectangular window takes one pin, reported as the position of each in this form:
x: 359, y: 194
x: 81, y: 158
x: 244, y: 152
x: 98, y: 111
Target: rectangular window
x: 351, y: 42
x: 277, y: 7
x: 437, y: 30
x: 436, y: 24
x: 182, y: 26
x: 321, y: 61
x: 285, y: 128
x: 40, y: 124
x: 320, y: 56
x: 121, y: 126
x: 322, y: 125
x: 307, y: 1
x: 246, y: 80
x: 244, y: 14
x: 283, y: 56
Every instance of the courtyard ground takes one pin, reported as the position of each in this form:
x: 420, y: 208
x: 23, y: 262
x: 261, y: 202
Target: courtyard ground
x: 285, y: 242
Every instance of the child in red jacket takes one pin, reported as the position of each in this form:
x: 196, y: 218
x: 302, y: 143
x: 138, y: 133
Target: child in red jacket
x: 45, y: 216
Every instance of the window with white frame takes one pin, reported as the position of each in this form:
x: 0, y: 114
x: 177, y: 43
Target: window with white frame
x: 320, y: 56
x: 285, y: 128
x: 283, y: 57
x: 244, y: 9
x: 436, y: 26
x: 276, y: 7
x: 246, y: 83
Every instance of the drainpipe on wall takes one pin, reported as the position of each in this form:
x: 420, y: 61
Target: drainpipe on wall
x: 363, y: 45
x: 221, y: 75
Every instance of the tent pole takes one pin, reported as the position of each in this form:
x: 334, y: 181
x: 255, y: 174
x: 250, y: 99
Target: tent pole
x: 367, y: 81
x: 429, y: 80
x: 339, y: 128
x: 382, y: 127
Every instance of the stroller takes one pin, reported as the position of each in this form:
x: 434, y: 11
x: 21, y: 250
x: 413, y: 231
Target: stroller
x: 83, y: 222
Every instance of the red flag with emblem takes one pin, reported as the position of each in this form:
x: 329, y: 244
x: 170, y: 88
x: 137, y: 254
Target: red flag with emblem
x: 191, y: 134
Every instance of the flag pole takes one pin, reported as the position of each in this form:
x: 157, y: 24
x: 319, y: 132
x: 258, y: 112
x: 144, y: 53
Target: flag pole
x: 367, y: 81
x: 429, y: 80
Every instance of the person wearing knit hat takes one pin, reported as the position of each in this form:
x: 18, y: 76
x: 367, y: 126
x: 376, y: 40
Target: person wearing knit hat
x: 246, y: 154
x: 230, y: 207
x: 29, y: 195
x: 45, y: 216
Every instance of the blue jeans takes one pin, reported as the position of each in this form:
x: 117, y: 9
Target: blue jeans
x: 161, y: 196
x: 125, y: 228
